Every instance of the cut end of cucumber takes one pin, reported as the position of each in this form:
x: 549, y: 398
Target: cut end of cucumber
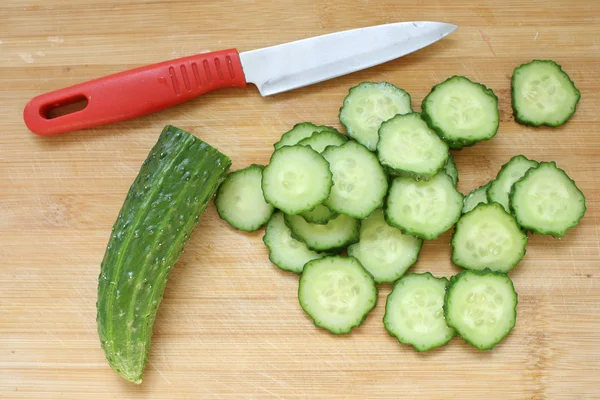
x: 481, y: 306
x: 337, y: 293
x: 409, y: 147
x: 367, y: 106
x: 462, y: 112
x: 543, y: 94
x: 297, y: 179
x: 488, y: 237
x: 547, y: 201
x: 414, y: 312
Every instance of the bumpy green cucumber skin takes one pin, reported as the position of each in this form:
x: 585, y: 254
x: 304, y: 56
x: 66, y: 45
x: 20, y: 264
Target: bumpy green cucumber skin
x: 455, y: 144
x: 534, y: 229
x: 449, y: 289
x: 163, y: 206
x: 451, y: 170
x: 522, y: 119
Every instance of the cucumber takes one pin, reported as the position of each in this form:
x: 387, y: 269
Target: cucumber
x: 477, y: 196
x: 451, y: 170
x: 297, y: 179
x: 333, y: 236
x: 414, y: 312
x: 337, y: 293
x: 425, y: 209
x: 286, y: 252
x: 301, y: 131
x: 384, y: 251
x: 172, y: 189
x: 367, y: 105
x: 319, y: 215
x: 462, y: 112
x: 319, y: 141
x: 481, y: 306
x: 547, y: 201
x: 510, y: 172
x: 240, y: 201
x: 488, y: 237
x: 543, y: 94
x: 408, y: 147
x: 360, y: 183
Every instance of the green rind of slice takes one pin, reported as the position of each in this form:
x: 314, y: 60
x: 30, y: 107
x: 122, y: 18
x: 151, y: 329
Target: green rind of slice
x: 301, y: 131
x: 319, y: 215
x: 510, y: 172
x: 477, y: 196
x: 319, y: 141
x: 333, y: 236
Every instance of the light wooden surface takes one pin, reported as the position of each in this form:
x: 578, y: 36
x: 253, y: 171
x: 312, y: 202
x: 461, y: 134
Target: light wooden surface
x: 230, y: 326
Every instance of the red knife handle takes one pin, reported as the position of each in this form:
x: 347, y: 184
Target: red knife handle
x: 134, y: 93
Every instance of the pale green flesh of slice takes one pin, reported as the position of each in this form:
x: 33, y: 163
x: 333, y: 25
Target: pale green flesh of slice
x: 286, y: 252
x: 544, y: 93
x: 368, y: 106
x: 464, y: 111
x: 414, y: 312
x: 384, y: 251
x: 337, y: 293
x: 500, y: 187
x: 327, y: 236
x: 320, y: 214
x: 482, y: 308
x: 407, y: 144
x: 487, y: 237
x: 476, y: 197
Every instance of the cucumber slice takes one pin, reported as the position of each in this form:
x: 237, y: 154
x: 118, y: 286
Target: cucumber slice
x: 414, y: 312
x: 477, y: 196
x: 319, y: 215
x: 240, y: 200
x: 360, y: 184
x: 163, y: 206
x: 481, y: 306
x: 333, y: 236
x: 385, y: 251
x: 286, y: 252
x: 451, y: 170
x: 425, y: 209
x: 510, y: 172
x: 301, y: 131
x: 488, y: 237
x: 462, y: 112
x: 543, y: 94
x: 547, y: 201
x: 297, y: 179
x: 319, y: 141
x: 337, y: 293
x: 367, y: 105
x: 408, y: 147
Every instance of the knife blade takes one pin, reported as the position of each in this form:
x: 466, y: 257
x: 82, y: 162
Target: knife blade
x: 144, y: 90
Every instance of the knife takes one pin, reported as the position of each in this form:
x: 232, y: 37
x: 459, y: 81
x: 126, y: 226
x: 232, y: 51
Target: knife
x: 144, y: 90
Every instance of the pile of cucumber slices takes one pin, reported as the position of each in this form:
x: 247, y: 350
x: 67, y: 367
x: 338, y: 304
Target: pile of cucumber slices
x: 378, y: 192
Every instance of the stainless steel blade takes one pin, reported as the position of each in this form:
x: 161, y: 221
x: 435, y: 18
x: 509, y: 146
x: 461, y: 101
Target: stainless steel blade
x: 296, y: 64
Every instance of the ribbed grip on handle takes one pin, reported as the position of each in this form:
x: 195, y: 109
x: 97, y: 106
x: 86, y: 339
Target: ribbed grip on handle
x: 134, y: 93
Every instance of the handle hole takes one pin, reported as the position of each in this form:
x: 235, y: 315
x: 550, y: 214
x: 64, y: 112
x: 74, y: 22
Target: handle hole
x: 64, y: 107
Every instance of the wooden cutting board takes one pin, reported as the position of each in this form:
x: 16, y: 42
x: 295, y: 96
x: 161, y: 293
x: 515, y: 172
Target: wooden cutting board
x: 230, y: 326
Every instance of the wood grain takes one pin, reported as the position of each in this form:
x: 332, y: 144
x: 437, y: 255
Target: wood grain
x: 230, y: 326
